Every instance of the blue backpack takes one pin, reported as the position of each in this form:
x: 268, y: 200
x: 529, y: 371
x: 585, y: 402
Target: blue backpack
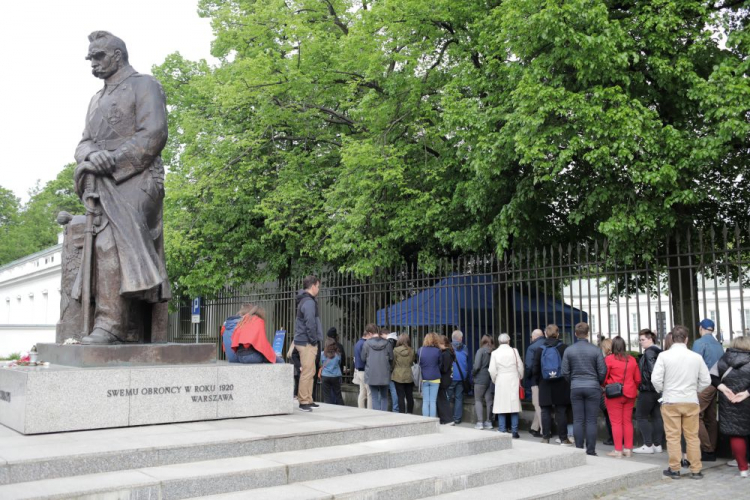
x: 551, y: 363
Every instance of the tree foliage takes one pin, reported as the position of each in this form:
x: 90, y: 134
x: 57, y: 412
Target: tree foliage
x: 32, y: 227
x: 366, y: 134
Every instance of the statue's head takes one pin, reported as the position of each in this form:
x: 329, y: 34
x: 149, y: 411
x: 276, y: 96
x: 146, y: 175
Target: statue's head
x: 107, y: 54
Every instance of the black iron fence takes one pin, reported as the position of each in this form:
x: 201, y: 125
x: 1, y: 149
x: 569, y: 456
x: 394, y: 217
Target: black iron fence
x: 680, y: 281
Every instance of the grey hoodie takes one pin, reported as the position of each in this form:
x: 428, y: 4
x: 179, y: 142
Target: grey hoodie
x: 377, y: 356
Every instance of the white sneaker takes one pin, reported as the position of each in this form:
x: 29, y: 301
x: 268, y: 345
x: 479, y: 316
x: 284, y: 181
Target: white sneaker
x: 657, y: 449
x: 487, y: 424
x: 557, y: 440
x: 479, y: 426
x: 645, y: 450
x: 732, y: 463
x: 743, y: 473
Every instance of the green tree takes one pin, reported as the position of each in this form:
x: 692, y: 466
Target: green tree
x: 34, y: 227
x: 367, y: 134
x: 623, y: 120
x: 9, y: 207
x: 317, y: 140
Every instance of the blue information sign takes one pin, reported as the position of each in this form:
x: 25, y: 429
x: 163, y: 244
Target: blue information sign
x: 195, y: 316
x: 278, y: 341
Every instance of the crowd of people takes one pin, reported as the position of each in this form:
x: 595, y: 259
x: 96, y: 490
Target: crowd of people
x: 676, y: 392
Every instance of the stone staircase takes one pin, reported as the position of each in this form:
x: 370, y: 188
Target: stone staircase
x: 333, y: 452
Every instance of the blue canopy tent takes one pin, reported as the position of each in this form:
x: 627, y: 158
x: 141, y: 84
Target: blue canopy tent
x: 467, y: 302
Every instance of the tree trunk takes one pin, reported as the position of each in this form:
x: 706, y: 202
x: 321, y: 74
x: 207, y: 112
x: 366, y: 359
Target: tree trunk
x: 683, y: 290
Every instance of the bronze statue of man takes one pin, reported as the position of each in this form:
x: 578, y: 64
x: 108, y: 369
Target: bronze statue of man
x: 120, y: 176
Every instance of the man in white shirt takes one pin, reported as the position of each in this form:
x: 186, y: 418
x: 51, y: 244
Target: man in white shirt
x: 680, y: 374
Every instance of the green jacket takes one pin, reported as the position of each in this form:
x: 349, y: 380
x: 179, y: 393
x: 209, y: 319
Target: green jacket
x: 403, y: 357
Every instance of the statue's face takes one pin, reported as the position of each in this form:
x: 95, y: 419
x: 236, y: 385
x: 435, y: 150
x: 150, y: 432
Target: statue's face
x: 104, y: 61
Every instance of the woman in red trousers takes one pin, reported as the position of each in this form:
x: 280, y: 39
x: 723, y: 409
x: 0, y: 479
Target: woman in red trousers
x: 623, y: 369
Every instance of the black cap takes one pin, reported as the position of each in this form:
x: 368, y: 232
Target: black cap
x: 332, y: 332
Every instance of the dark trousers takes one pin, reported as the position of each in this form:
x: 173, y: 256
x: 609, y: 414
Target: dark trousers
x: 708, y: 431
x: 332, y: 390
x: 297, y: 370
x: 585, y: 402
x: 647, y: 405
x: 561, y: 419
x: 603, y: 408
x: 444, y: 410
x: 456, y: 399
x: 405, y: 395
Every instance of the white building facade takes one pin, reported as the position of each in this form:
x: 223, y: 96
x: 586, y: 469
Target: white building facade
x: 727, y: 304
x: 30, y: 300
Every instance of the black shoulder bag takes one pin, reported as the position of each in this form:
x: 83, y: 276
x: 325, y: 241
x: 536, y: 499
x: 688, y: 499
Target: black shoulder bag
x: 614, y: 390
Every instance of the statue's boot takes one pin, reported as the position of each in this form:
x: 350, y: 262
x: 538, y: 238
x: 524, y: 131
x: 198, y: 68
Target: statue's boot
x: 100, y: 337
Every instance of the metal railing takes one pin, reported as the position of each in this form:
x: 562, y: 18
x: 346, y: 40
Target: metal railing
x: 683, y: 280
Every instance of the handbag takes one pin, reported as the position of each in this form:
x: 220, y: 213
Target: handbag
x: 521, y: 390
x: 416, y: 373
x: 320, y: 370
x: 614, y: 390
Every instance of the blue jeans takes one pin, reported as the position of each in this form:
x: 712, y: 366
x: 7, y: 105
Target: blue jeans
x: 253, y: 357
x: 585, y: 402
x: 379, y: 397
x: 429, y: 399
x: 394, y: 397
x: 456, y: 398
x: 501, y: 424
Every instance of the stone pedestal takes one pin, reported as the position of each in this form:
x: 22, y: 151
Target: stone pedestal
x: 119, y: 355
x: 36, y: 400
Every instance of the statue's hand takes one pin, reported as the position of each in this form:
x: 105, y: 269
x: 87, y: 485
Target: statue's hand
x: 79, y: 176
x: 103, y: 161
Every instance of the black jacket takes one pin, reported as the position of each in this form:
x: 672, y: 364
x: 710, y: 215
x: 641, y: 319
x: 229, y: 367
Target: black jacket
x: 646, y: 364
x: 551, y: 392
x: 307, y: 326
x: 583, y: 365
x: 528, y: 360
x: 734, y: 418
x: 446, y: 368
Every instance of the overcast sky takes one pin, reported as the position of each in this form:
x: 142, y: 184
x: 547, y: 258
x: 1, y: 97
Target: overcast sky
x: 46, y: 84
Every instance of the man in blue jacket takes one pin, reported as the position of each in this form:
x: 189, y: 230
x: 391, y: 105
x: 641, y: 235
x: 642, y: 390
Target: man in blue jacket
x: 537, y: 339
x: 461, y: 375
x: 711, y: 351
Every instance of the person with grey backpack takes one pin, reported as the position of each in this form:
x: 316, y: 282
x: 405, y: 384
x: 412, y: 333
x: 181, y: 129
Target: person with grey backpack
x: 482, y: 383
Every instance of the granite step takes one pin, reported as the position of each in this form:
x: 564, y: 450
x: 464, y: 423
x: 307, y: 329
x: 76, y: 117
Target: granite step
x: 191, y: 479
x: 428, y: 479
x: 41, y: 457
x: 600, y: 476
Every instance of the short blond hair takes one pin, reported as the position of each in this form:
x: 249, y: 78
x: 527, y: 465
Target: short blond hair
x: 431, y: 340
x: 741, y: 343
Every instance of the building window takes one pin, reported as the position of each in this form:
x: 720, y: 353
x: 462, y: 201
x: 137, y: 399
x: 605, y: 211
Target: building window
x: 745, y: 313
x: 661, y: 323
x: 592, y: 323
x: 712, y: 315
x: 634, y: 321
x: 613, y: 327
